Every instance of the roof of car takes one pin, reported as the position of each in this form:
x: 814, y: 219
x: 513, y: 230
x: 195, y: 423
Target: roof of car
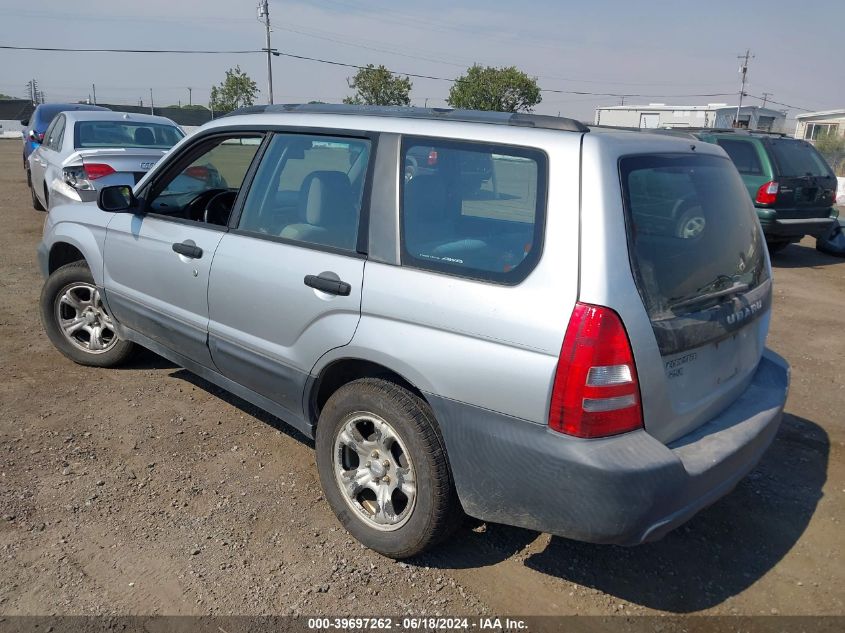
x: 436, y: 114
x: 80, y: 115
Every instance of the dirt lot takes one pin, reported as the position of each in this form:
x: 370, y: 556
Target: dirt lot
x: 146, y: 490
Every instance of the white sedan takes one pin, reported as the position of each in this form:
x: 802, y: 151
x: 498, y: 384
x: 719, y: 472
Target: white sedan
x: 85, y: 151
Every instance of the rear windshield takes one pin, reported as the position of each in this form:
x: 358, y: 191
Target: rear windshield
x: 796, y: 158
x: 695, y: 242
x: 90, y: 134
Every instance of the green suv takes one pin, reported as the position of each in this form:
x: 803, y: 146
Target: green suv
x: 792, y: 186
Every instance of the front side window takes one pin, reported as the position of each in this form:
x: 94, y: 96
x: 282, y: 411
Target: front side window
x: 309, y: 189
x: 206, y: 182
x: 472, y: 209
x: 744, y: 156
x: 94, y: 134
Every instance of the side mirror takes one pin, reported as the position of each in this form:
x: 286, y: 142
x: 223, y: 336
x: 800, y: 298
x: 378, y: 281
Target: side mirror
x: 117, y: 199
x: 25, y: 122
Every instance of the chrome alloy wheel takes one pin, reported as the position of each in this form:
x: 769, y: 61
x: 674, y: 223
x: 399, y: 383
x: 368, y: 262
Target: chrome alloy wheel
x: 374, y: 471
x: 83, y: 320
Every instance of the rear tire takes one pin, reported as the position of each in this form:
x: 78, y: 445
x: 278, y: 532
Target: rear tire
x: 76, y: 321
x: 384, y: 470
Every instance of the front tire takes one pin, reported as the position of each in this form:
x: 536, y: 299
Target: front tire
x: 76, y: 320
x: 383, y: 468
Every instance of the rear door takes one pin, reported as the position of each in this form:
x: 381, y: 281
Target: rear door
x: 286, y: 281
x: 699, y: 260
x: 807, y: 185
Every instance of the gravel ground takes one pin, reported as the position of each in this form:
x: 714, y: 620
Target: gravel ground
x: 146, y: 490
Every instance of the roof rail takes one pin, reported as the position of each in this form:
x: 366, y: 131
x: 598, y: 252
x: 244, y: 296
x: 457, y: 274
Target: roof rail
x: 723, y: 130
x: 440, y: 114
x: 690, y: 131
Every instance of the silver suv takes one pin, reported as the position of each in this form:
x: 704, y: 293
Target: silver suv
x: 574, y: 343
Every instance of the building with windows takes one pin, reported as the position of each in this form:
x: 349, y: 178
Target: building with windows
x: 660, y: 115
x: 815, y: 125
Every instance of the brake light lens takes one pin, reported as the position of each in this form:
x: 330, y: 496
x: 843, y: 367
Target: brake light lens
x: 97, y: 170
x: 200, y: 172
x: 432, y: 158
x: 596, y: 392
x: 767, y: 193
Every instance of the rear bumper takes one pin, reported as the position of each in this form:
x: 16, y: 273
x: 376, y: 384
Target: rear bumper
x: 624, y: 490
x: 796, y: 228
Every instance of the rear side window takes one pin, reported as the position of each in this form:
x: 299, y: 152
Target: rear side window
x: 744, y: 156
x: 472, y: 209
x: 796, y: 158
x: 695, y: 244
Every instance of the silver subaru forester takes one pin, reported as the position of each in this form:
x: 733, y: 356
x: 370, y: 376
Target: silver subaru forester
x: 514, y: 317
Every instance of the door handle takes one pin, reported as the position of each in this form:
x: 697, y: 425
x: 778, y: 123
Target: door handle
x: 328, y: 285
x: 188, y: 250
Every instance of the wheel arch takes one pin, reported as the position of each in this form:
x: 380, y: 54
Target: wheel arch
x: 335, y: 373
x: 69, y: 242
x: 61, y: 254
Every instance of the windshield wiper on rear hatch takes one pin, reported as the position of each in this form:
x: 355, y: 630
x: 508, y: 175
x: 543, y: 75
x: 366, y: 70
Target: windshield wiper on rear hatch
x: 734, y: 289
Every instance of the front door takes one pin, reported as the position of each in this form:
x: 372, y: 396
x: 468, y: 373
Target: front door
x: 157, y: 262
x: 286, y: 281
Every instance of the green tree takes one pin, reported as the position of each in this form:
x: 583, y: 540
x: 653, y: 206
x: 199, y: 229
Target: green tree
x: 5, y: 97
x: 378, y: 86
x: 832, y: 147
x: 501, y: 89
x: 237, y: 90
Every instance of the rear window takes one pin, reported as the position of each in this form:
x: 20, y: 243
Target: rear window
x: 91, y: 134
x: 744, y: 156
x: 796, y: 158
x: 696, y: 244
x: 472, y: 209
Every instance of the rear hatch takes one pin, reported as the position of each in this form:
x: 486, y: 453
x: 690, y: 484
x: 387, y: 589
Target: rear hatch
x: 806, y: 184
x: 698, y: 257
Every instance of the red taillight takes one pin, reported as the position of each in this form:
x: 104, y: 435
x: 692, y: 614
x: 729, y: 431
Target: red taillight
x: 199, y: 172
x: 432, y: 158
x: 97, y: 170
x: 767, y: 193
x: 595, y: 392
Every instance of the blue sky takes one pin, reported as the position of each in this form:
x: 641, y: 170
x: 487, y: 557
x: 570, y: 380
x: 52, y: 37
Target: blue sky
x: 656, y: 48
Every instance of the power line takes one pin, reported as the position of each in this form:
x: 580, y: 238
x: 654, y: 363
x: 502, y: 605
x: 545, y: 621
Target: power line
x: 360, y: 67
x: 785, y: 105
x: 550, y: 90
x: 128, y: 50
